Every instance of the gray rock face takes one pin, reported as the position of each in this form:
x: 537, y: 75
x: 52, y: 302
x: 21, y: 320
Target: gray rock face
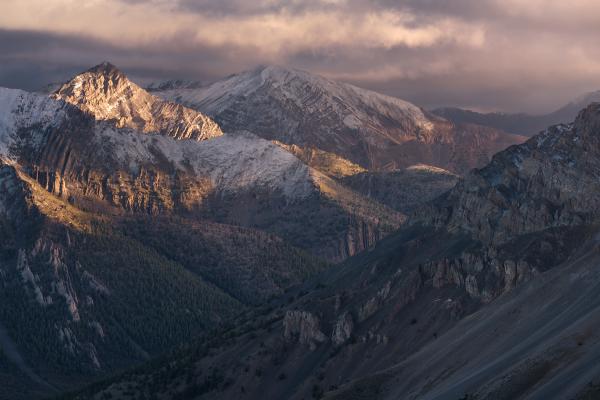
x: 342, y: 330
x: 548, y: 181
x: 483, y: 276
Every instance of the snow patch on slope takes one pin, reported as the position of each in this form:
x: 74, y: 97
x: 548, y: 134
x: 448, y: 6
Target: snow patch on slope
x: 426, y: 168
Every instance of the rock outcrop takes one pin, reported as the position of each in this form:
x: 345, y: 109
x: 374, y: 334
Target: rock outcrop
x: 303, y: 327
x: 342, y: 330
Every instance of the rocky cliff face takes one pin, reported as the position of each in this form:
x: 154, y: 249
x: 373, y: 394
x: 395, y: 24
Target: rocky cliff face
x: 107, y: 94
x: 53, y: 286
x: 374, y: 131
x: 545, y: 182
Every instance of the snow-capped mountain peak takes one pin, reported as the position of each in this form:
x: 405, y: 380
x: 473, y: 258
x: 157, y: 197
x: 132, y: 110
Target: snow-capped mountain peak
x: 106, y: 93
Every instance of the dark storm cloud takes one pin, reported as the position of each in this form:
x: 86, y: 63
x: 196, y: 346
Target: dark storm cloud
x: 243, y: 7
x: 31, y: 60
x: 490, y: 54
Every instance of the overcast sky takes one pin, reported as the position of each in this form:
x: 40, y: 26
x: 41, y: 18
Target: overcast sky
x: 509, y: 55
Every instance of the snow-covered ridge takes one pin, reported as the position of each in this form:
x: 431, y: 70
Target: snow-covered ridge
x: 20, y: 109
x: 232, y: 162
x: 372, y: 130
x: 349, y: 101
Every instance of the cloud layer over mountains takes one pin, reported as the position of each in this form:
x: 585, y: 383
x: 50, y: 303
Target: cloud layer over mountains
x: 509, y: 55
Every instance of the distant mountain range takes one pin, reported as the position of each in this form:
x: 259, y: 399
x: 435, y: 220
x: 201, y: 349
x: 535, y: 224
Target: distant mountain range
x: 520, y: 123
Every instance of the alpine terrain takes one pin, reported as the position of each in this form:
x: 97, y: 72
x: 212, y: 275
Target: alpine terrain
x: 272, y: 234
x: 130, y: 225
x: 261, y: 201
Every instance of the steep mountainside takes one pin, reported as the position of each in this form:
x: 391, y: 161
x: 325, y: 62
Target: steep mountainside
x: 492, y: 297
x: 402, y: 190
x: 540, y: 342
x: 107, y: 94
x: 543, y: 183
x: 84, y: 156
x: 520, y: 124
x: 71, y: 285
x: 374, y: 131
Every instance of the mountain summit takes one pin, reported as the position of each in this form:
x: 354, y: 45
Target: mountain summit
x: 375, y: 131
x: 106, y: 93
